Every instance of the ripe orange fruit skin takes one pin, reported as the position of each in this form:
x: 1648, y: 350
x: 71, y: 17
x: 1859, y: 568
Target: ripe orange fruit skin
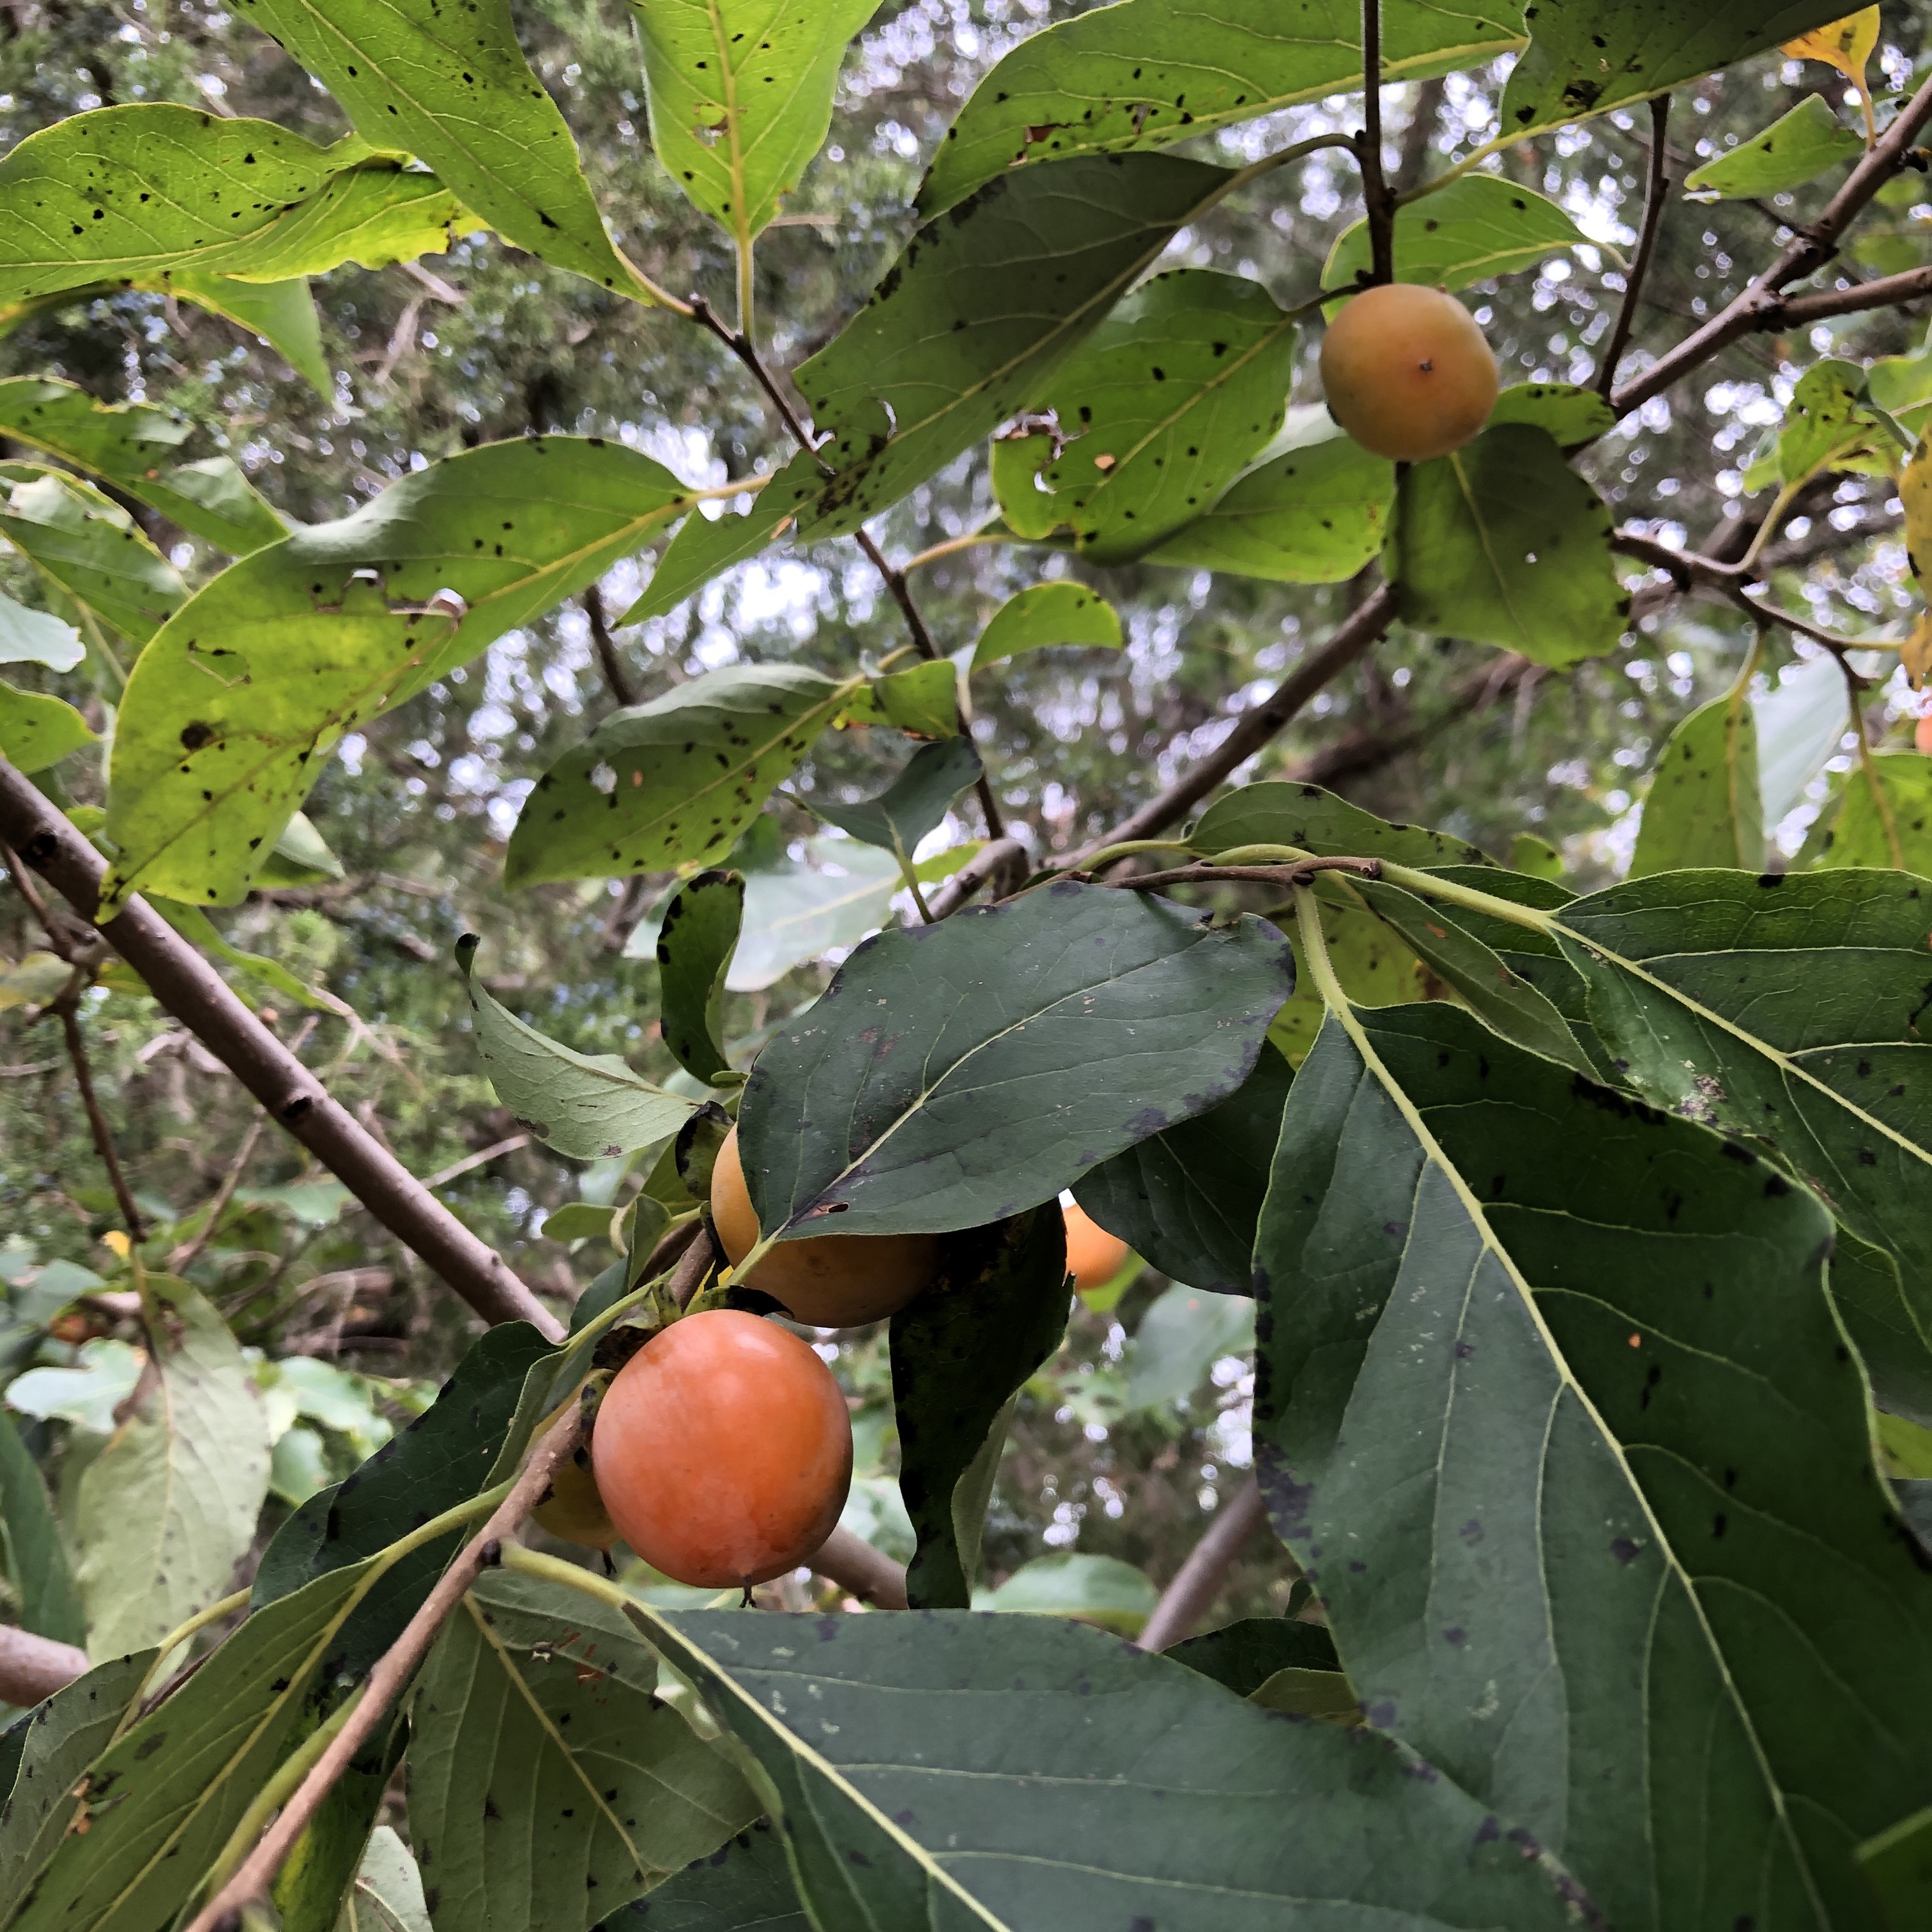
x: 830, y: 1281
x: 1406, y: 372
x: 1922, y: 735
x: 723, y: 1451
x: 574, y: 1511
x: 1093, y: 1256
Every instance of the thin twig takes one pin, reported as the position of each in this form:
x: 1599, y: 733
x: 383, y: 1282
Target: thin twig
x: 616, y: 673
x: 482, y: 1158
x: 1191, y: 1595
x: 1297, y: 873
x: 688, y: 1277
x: 1656, y: 188
x: 64, y: 1010
x: 1378, y: 198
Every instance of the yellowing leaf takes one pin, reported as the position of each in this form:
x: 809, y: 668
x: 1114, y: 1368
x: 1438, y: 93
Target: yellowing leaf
x: 1846, y: 44
x: 1915, y: 493
x: 1915, y: 653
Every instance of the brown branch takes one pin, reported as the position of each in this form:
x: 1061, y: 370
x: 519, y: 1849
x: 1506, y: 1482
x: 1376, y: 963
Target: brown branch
x: 32, y: 1668
x: 860, y: 1571
x: 1761, y: 306
x: 996, y: 858
x: 388, y: 1679
x: 1656, y: 187
x: 616, y: 675
x: 1378, y: 197
x: 1191, y: 1595
x: 1414, y: 161
x: 1885, y: 292
x: 190, y: 989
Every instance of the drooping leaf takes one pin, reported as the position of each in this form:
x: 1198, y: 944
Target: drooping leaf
x: 264, y: 667
x: 591, y: 1106
x: 168, y: 1508
x: 1160, y: 409
x: 1796, y: 147
x: 456, y: 90
x: 1061, y: 612
x: 696, y: 939
x: 1188, y: 1197
x: 300, y: 856
x: 1800, y: 722
x: 957, y: 1074
x: 1610, y: 1396
x: 1478, y: 226
x: 1567, y: 411
x: 740, y: 93
x: 924, y: 699
x: 1316, y: 512
x: 37, y: 731
x: 1503, y: 543
x: 1243, y: 1656
x: 797, y: 911
x: 47, y: 1603
x: 37, y: 637
x: 44, y: 1754
x: 1149, y: 73
x: 1880, y: 816
x: 1181, y: 1336
x: 960, y: 1354
x: 89, y: 550
x: 860, y: 1728
x: 963, y: 332
x: 538, y: 1704
x: 387, y: 1895
x: 1846, y: 44
x: 674, y: 781
x: 913, y: 804
x: 1585, y: 60
x: 282, y: 314
x: 745, y: 1886
x: 1703, y: 807
x: 1277, y: 813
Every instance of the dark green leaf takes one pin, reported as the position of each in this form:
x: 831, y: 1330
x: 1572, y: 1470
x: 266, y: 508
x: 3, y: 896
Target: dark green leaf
x: 1702, y: 807
x: 1611, y: 1397
x: 1893, y: 1337
x: 1503, y: 543
x: 1276, y: 813
x: 46, y: 1602
x: 955, y: 1074
x: 309, y: 1891
x: 961, y: 333
x: 674, y: 781
x: 695, y: 1150
x: 913, y: 804
x: 744, y: 1886
x: 132, y: 446
x: 454, y: 88
x: 696, y: 938
x: 228, y: 707
x: 1245, y: 1655
x: 1571, y: 413
x: 1796, y: 147
x: 1316, y: 513
x: 1160, y: 409
x: 1153, y: 72
x: 37, y: 731
x: 866, y: 1730
x: 1879, y: 818
x: 1062, y: 612
x: 589, y: 1106
x: 89, y: 550
x: 1188, y: 1198
x: 1587, y: 60
x: 1478, y: 226
x: 960, y: 1354
x: 1898, y: 1863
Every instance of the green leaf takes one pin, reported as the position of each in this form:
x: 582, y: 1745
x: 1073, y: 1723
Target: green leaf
x: 44, y: 1754
x: 1188, y: 1198
x: 1316, y: 512
x: 1894, y: 1338
x: 956, y: 1075
x: 280, y: 313
x: 1304, y: 816
x: 89, y: 550
x: 1149, y: 73
x: 696, y: 938
x: 131, y: 445
x: 673, y: 782
x: 864, y: 1730
x: 590, y: 1106
x: 309, y: 1891
x: 36, y: 636
x: 1796, y: 147
x: 387, y: 1895
x: 796, y: 912
x: 301, y: 857
x: 37, y: 731
x: 265, y: 667
x: 1880, y: 816
x: 961, y: 1353
x: 1585, y: 60
x: 454, y: 88
x: 1501, y: 542
x: 1703, y: 807
x: 745, y: 1887
x: 88, y: 1392
x: 913, y: 804
x: 1160, y: 409
x: 1824, y: 422
x: 47, y: 1603
x: 1044, y: 614
x: 168, y: 1508
x: 961, y: 334
x: 298, y: 1466
x: 1537, y: 857
x: 1102, y: 1591
x: 740, y: 94
x: 924, y: 700
x: 538, y: 1703
x: 1243, y: 1656
x: 1181, y: 1337
x: 1611, y: 1397
x: 1573, y: 414
x: 1478, y: 226
x: 1898, y: 1863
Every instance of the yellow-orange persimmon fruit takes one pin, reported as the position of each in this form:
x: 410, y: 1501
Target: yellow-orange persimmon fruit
x: 1406, y: 372
x: 1093, y: 1256
x: 830, y: 1281
x: 723, y: 1450
x: 573, y: 1510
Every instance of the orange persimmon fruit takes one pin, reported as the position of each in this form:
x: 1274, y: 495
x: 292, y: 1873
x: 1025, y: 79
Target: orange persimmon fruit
x: 1406, y: 372
x: 1093, y: 1256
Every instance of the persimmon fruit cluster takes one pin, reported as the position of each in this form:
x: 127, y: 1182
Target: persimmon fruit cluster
x: 1407, y: 373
